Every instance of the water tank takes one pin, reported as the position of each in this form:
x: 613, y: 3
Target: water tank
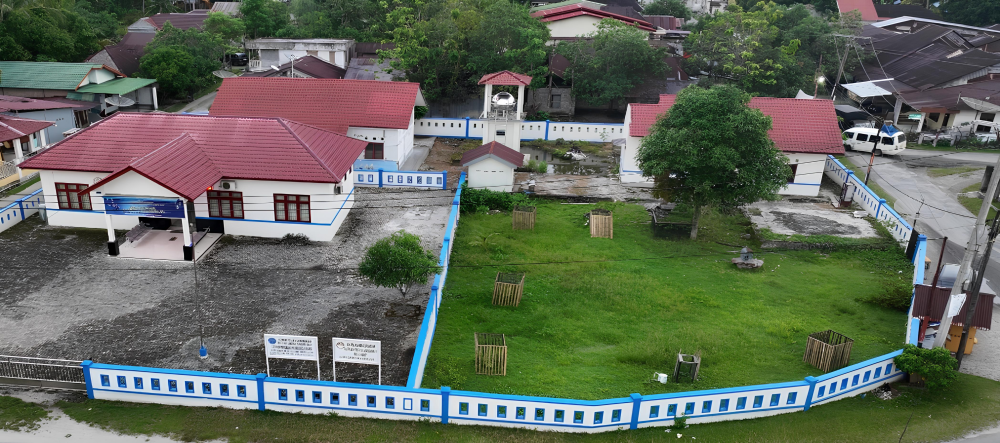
x: 504, y: 100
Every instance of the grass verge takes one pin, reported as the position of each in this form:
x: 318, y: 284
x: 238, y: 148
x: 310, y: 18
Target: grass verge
x: 860, y: 173
x: 15, y: 190
x: 607, y: 313
x: 19, y: 415
x: 943, y: 148
x: 941, y: 172
x: 971, y: 403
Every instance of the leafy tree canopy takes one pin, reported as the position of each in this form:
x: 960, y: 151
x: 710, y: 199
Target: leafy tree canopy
x: 361, y: 20
x: 770, y: 49
x: 936, y: 365
x: 675, y: 8
x: 204, y: 52
x: 398, y: 261
x: 264, y: 18
x: 228, y: 29
x: 711, y: 149
x: 173, y: 67
x: 45, y: 32
x: 972, y: 12
x: 610, y: 62
x: 448, y: 45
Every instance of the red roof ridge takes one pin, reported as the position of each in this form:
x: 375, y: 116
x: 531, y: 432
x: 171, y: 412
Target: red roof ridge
x: 576, y: 9
x: 309, y: 149
x: 497, y: 150
x: 505, y: 78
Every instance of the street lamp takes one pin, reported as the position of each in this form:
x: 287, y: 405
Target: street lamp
x: 819, y: 81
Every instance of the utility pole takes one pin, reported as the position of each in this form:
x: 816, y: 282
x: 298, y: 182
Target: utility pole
x: 878, y: 137
x: 840, y: 72
x: 974, y: 291
x: 819, y: 76
x: 970, y: 252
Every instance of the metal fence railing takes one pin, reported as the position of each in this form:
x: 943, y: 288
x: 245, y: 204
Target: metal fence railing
x: 41, y: 369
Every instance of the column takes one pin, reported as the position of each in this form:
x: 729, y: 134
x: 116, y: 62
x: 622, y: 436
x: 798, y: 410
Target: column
x: 188, y: 238
x: 155, y: 105
x: 520, y: 101
x: 112, y: 243
x: 18, y: 155
x: 261, y: 403
x: 920, y: 124
x: 486, y: 101
x: 636, y: 405
x: 812, y: 387
x: 445, y: 393
x: 32, y: 142
x: 45, y: 141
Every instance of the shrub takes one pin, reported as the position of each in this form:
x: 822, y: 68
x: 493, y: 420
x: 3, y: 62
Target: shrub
x: 398, y: 261
x: 539, y: 116
x: 936, y: 366
x: 679, y: 423
x: 472, y: 199
x: 543, y: 167
x: 419, y: 112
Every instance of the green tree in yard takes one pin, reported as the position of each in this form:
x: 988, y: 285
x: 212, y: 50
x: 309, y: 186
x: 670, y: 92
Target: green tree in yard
x: 508, y: 37
x: 711, y: 149
x: 264, y: 18
x: 675, y: 8
x: 173, y: 67
x: 971, y: 12
x: 47, y: 34
x: 228, y: 29
x: 398, y: 261
x: 936, y: 365
x: 610, y: 62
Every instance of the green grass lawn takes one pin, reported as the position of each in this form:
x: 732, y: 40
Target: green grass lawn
x: 860, y: 173
x: 21, y: 187
x: 19, y: 415
x: 604, y: 314
x: 941, y: 172
x: 969, y: 404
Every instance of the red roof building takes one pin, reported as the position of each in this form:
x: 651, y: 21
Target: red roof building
x: 13, y: 128
x: 491, y: 166
x: 802, y: 126
x: 505, y: 78
x: 494, y: 150
x: 332, y: 104
x: 185, y: 153
x: 865, y: 7
x: 579, y: 10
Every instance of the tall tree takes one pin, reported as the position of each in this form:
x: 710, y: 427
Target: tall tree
x: 610, y: 61
x: 264, y: 18
x: 204, y: 52
x: 173, y: 68
x: 47, y: 34
x: 228, y: 29
x: 711, y: 149
x: 675, y: 8
x: 508, y: 37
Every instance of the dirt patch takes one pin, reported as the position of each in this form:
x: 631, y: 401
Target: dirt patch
x: 440, y: 156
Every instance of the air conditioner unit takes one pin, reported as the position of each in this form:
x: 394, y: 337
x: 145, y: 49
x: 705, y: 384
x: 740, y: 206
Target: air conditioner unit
x: 228, y: 185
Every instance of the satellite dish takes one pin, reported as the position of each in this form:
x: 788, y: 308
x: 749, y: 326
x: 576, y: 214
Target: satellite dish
x: 274, y: 67
x: 119, y: 101
x: 980, y: 105
x: 222, y: 73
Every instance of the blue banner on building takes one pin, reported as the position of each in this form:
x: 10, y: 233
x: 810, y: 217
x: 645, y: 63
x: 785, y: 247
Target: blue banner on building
x: 144, y: 206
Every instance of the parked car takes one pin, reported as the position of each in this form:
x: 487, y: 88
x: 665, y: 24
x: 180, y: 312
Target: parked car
x: 238, y: 59
x: 863, y: 139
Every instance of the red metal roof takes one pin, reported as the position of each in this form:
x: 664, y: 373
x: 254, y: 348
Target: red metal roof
x: 332, y: 104
x: 11, y: 103
x: 13, y: 128
x: 866, y: 7
x: 238, y: 147
x: 505, y: 78
x: 805, y: 126
x: 929, y: 302
x: 181, y: 166
x: 312, y: 66
x: 501, y: 152
x: 577, y: 9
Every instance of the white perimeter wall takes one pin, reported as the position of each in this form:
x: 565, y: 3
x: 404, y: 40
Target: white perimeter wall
x: 398, y: 142
x: 491, y: 174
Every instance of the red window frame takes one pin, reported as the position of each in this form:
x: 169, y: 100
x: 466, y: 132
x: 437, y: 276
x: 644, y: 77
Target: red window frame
x: 375, y: 151
x: 292, y: 208
x: 225, y: 204
x: 69, y: 198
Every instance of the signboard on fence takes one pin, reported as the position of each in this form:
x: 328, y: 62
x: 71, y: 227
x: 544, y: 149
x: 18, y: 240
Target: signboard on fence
x: 366, y: 352
x: 291, y: 347
x: 144, y: 206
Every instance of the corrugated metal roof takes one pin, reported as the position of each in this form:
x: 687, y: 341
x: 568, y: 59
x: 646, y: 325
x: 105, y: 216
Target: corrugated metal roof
x: 239, y: 147
x: 117, y: 86
x: 866, y: 8
x: 578, y: 9
x: 948, y: 98
x: 893, y: 11
x: 591, y: 4
x: 312, y: 66
x: 14, y: 127
x: 325, y: 103
x: 498, y: 150
x: 506, y: 78
x: 929, y: 302
x: 11, y: 103
x: 194, y: 19
x: 228, y: 8
x: 45, y: 75
x: 789, y: 117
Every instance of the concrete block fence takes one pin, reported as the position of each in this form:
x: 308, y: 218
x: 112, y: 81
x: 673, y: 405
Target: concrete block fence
x: 873, y: 204
x: 20, y: 209
x: 411, y: 402
x: 410, y: 179
x: 530, y: 130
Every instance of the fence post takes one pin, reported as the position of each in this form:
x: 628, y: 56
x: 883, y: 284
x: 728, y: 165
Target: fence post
x: 444, y: 174
x: 466, y: 127
x: 812, y: 388
x: 85, y: 365
x: 20, y: 206
x: 636, y: 405
x: 881, y: 201
x: 547, y: 129
x: 445, y: 392
x: 261, y: 404
x: 380, y: 177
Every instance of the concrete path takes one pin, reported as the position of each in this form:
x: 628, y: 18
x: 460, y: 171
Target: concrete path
x: 421, y: 147
x: 200, y: 105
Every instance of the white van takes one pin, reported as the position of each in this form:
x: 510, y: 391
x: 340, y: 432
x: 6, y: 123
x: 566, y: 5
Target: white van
x: 863, y: 139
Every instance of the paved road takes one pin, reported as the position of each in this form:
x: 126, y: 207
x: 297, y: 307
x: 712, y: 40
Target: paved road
x: 200, y: 105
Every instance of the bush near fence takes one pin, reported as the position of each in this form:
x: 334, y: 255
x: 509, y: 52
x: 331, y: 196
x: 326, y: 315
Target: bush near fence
x: 167, y: 386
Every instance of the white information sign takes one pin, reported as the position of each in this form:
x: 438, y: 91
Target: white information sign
x: 291, y: 347
x: 367, y: 352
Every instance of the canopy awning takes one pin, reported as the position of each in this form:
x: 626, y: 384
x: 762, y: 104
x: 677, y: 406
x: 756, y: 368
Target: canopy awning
x: 118, y: 86
x: 866, y: 89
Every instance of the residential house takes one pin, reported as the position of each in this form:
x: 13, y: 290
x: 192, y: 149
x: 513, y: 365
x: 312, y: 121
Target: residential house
x: 169, y: 176
x: 572, y: 19
x: 89, y: 82
x: 278, y: 51
x: 380, y: 113
x: 491, y: 166
x: 19, y: 138
x: 805, y: 131
x: 185, y: 20
x: 365, y: 64
x: 124, y: 56
x: 305, y: 67
x: 66, y: 116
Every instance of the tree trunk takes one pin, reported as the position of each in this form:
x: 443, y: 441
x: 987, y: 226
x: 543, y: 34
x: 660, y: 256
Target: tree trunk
x: 694, y: 222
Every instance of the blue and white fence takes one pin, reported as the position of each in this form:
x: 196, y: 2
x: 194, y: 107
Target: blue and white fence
x: 20, y: 209
x: 530, y: 130
x: 869, y: 200
x: 407, y: 179
x: 410, y: 402
x: 429, y: 324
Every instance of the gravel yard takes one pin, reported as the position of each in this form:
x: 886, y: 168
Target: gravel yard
x: 63, y: 297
